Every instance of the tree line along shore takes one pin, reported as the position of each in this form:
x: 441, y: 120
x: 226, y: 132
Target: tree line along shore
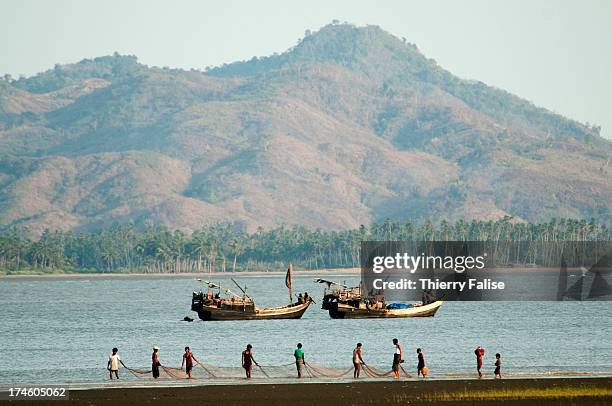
x: 224, y: 248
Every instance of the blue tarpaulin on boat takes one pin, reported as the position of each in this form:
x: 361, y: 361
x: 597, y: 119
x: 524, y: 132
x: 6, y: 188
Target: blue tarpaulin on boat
x: 399, y: 306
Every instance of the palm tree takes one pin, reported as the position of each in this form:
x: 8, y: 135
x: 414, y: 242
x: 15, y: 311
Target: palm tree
x: 236, y: 247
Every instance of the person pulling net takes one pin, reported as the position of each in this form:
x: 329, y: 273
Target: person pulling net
x: 250, y: 368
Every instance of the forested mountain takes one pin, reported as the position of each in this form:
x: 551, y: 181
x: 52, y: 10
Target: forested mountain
x: 350, y: 126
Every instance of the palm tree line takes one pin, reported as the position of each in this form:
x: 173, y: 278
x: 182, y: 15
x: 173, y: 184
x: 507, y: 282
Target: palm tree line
x: 223, y: 248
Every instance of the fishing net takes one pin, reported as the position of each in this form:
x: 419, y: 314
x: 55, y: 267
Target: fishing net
x: 317, y: 371
x: 311, y: 370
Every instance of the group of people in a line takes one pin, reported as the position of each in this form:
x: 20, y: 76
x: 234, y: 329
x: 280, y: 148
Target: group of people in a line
x: 248, y: 360
x: 398, y: 358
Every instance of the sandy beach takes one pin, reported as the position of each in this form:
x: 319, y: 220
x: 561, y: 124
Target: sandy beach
x: 315, y: 272
x: 547, y: 391
x: 189, y: 275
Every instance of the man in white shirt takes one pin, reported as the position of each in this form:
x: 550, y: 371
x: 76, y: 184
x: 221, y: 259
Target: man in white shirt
x: 113, y: 364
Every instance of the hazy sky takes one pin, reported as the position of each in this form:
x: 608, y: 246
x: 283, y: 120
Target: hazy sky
x: 557, y: 54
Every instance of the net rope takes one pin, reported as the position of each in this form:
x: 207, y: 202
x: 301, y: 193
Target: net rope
x: 309, y: 369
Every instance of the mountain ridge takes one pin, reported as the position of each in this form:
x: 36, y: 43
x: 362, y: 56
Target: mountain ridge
x: 349, y: 126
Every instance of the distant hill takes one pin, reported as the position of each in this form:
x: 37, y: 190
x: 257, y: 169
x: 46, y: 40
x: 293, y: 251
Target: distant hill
x: 350, y: 126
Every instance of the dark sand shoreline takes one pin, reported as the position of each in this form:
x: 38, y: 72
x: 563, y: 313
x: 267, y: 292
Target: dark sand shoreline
x: 548, y: 391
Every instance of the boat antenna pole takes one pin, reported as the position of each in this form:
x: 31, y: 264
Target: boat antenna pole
x: 240, y: 287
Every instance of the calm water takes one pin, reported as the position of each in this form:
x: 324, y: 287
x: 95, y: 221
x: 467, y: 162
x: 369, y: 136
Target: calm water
x: 62, y: 330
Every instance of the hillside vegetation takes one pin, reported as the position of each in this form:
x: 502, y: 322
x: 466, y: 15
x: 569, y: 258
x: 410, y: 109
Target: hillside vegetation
x: 349, y: 127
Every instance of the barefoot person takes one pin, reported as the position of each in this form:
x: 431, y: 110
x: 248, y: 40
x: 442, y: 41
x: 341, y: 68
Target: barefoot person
x: 248, y: 360
x: 188, y: 359
x: 155, y: 362
x: 357, y: 360
x: 498, y: 365
x: 479, y: 352
x: 398, y: 358
x: 299, y: 359
x: 113, y: 364
x: 421, y: 364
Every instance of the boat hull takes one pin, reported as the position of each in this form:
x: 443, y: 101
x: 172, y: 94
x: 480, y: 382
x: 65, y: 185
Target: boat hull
x: 342, y: 311
x: 294, y: 311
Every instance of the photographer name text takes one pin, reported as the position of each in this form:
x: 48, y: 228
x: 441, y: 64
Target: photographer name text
x: 437, y: 284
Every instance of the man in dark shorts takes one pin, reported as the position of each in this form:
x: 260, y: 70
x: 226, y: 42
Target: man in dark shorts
x: 421, y: 364
x: 155, y: 362
x: 188, y: 359
x: 498, y: 365
x: 357, y: 360
x: 248, y: 360
x: 398, y: 358
x: 299, y: 359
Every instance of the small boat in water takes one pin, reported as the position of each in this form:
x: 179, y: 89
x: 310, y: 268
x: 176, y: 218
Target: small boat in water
x: 211, y: 305
x: 343, y: 302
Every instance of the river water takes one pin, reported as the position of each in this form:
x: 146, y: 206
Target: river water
x: 61, y: 330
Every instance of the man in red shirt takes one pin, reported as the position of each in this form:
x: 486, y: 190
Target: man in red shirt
x: 479, y: 352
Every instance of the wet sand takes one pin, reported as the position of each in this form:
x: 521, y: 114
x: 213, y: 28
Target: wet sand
x: 541, y: 392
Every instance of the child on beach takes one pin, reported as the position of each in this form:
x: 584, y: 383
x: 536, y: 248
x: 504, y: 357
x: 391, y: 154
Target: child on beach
x: 113, y: 364
x: 188, y: 359
x: 421, y: 365
x: 498, y: 365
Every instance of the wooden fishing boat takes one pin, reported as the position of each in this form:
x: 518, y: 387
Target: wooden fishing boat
x: 211, y: 305
x: 224, y: 309
x: 346, y: 311
x: 343, y: 302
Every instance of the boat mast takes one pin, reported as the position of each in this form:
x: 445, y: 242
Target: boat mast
x: 243, y: 290
x: 288, y: 283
